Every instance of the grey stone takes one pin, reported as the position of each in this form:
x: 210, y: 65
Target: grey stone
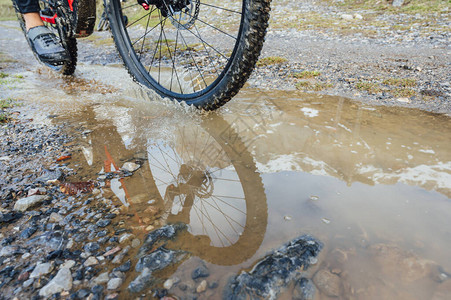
x: 118, y: 258
x: 103, y: 222
x: 157, y: 260
x: 42, y: 269
x: 328, y: 283
x: 102, y: 278
x: 141, y: 281
x: 28, y: 282
x: 275, y: 270
x: 304, y: 290
x: 8, y: 251
x: 61, y: 282
x: 199, y: 272
x: 162, y: 234
x: 114, y: 283
x: 28, y: 202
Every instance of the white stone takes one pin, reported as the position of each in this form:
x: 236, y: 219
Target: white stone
x: 130, y: 166
x: 26, y: 255
x: 70, y: 244
x: 102, y: 278
x: 55, y: 217
x: 202, y: 287
x: 25, y: 203
x: 68, y: 264
x: 28, y: 282
x: 61, y: 282
x: 403, y: 100
x: 91, y: 261
x: 358, y: 16
x: 168, y: 284
x: 114, y: 283
x: 125, y: 237
x: 346, y: 17
x: 41, y: 269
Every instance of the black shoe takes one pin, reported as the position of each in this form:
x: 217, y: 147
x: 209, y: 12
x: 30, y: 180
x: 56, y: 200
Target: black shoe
x: 47, y: 46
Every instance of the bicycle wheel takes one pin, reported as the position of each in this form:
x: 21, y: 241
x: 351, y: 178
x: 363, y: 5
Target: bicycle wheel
x: 197, y: 51
x: 208, y: 180
x: 60, y: 28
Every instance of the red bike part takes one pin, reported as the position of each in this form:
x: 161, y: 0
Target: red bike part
x: 50, y: 20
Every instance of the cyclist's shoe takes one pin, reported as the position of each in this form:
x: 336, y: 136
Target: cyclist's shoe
x: 46, y: 46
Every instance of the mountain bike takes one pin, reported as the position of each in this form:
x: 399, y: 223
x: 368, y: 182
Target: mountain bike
x: 200, y: 52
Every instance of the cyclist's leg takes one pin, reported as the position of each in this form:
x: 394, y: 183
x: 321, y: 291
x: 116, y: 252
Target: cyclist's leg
x: 43, y: 42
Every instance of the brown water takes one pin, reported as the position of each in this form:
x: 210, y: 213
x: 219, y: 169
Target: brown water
x: 372, y: 183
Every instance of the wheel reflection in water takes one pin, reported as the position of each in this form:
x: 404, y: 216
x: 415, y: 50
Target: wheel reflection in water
x: 200, y: 186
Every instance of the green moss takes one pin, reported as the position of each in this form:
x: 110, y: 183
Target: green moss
x: 403, y: 92
x: 313, y: 86
x: 368, y: 86
x: 306, y: 74
x: 271, y: 60
x: 401, y: 82
x: 4, y: 105
x: 8, y: 80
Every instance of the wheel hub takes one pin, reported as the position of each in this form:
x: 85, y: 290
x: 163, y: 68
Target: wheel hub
x: 182, y: 13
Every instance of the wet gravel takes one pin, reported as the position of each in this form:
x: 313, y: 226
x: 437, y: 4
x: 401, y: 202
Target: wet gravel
x: 356, y: 64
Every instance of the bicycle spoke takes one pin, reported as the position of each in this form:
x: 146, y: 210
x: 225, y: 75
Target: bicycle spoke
x: 203, y: 41
x: 194, y: 61
x: 173, y: 62
x: 132, y: 5
x: 226, y: 9
x: 144, y: 39
x: 212, y: 26
x: 134, y: 22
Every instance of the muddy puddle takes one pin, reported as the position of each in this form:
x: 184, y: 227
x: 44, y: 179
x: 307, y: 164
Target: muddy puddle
x: 373, y: 184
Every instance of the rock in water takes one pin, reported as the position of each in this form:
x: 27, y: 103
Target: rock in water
x: 328, y: 283
x: 199, y: 272
x: 159, y: 259
x: 141, y: 281
x: 130, y: 167
x: 25, y: 203
x: 202, y: 287
x: 61, y: 282
x: 275, y: 270
x: 160, y: 235
x: 304, y: 290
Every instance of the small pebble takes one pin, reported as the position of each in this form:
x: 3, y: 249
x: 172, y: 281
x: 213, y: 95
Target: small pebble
x: 201, y: 287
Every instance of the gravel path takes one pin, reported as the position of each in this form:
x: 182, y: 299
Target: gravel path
x: 408, y: 67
